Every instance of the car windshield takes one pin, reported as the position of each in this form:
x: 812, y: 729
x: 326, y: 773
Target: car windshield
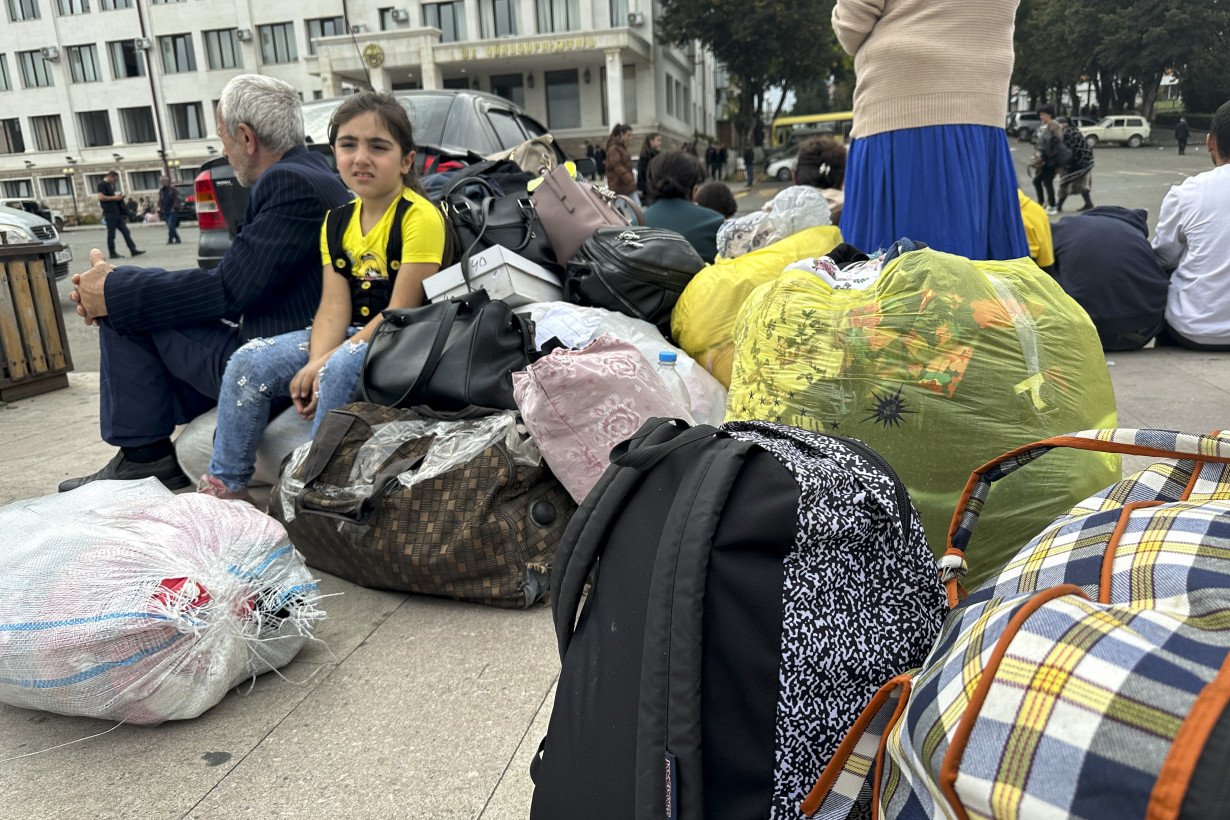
x: 427, y: 114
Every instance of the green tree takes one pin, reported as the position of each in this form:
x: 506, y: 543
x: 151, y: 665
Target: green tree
x: 762, y: 43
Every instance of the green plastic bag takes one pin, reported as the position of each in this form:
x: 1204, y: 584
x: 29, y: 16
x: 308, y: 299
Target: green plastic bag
x: 940, y: 364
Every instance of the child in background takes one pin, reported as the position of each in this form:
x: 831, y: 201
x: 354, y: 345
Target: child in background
x: 373, y: 142
x: 717, y: 196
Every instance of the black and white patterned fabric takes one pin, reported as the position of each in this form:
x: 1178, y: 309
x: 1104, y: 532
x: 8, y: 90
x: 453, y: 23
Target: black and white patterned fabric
x: 862, y: 600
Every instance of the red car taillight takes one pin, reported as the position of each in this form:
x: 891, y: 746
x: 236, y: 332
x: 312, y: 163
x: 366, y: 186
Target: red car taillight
x: 208, y: 216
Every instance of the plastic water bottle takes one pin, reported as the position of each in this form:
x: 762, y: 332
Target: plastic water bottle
x: 674, y: 383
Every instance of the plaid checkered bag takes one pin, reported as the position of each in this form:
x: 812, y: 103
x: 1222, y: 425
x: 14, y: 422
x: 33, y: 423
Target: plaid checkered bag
x: 1089, y: 679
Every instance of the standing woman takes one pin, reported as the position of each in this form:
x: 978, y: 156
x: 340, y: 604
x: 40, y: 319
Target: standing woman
x: 930, y: 159
x: 619, y: 162
x: 650, y: 148
x: 1077, y: 175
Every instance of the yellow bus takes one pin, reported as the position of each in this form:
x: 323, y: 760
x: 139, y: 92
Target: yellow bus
x: 788, y: 132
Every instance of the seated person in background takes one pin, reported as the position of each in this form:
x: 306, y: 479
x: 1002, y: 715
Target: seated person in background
x: 1192, y: 241
x: 1104, y: 262
x: 676, y: 176
x: 1037, y: 231
x: 819, y: 176
x: 717, y: 196
x: 166, y: 336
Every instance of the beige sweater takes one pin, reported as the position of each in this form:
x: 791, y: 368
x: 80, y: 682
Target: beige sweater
x: 927, y: 62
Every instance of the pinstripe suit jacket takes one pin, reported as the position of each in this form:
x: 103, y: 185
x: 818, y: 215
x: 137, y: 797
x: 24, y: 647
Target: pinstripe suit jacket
x: 269, y: 281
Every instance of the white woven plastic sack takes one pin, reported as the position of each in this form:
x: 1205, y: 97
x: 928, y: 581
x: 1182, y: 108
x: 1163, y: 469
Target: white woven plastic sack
x: 120, y: 600
x: 577, y: 326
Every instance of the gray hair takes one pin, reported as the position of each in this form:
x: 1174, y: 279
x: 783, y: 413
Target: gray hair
x: 270, y: 107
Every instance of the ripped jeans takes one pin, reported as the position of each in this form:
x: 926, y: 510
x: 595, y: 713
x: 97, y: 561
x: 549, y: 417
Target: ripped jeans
x: 255, y: 375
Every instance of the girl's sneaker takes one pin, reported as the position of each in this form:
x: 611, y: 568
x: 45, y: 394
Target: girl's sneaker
x: 214, y: 486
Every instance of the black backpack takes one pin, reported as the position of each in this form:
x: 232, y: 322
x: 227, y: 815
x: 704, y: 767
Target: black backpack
x: 754, y: 586
x: 637, y: 271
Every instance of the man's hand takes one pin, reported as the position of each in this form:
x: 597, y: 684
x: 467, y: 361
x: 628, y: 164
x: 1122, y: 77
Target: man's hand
x: 88, y: 289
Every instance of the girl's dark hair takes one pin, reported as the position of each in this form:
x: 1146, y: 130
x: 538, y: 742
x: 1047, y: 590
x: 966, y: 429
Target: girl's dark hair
x: 821, y: 163
x: 716, y: 196
x: 393, y: 116
x: 645, y: 146
x: 618, y: 131
x: 673, y: 174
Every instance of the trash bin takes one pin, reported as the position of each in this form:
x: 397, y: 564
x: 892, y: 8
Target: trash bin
x: 34, y: 356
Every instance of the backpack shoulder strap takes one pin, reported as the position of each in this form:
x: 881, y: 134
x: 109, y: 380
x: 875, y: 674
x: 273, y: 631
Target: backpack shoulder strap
x: 668, y: 737
x: 335, y: 228
x: 392, y: 251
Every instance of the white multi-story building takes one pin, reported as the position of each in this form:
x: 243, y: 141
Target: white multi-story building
x: 89, y: 85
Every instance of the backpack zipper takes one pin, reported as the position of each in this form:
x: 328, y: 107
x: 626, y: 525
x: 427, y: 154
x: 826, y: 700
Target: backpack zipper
x: 905, y: 511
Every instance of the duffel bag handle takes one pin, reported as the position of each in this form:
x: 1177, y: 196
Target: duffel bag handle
x: 1211, y: 449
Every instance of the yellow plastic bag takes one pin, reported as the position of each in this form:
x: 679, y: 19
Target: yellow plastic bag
x: 704, y: 317
x: 940, y: 364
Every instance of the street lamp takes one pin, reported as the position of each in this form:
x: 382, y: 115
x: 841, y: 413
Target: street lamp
x: 70, y: 172
x: 173, y: 169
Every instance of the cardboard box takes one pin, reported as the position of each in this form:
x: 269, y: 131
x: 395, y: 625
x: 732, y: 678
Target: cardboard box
x: 504, y: 274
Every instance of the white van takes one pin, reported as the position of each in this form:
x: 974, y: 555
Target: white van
x: 1130, y: 129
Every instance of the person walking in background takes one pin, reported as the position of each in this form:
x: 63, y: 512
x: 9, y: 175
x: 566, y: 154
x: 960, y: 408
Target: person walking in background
x: 619, y: 162
x: 723, y: 156
x: 711, y: 161
x: 115, y: 215
x: 1077, y: 176
x: 650, y: 148
x: 749, y: 164
x: 1049, y: 158
x: 589, y: 154
x: 1181, y: 133
x: 168, y: 198
x: 930, y: 158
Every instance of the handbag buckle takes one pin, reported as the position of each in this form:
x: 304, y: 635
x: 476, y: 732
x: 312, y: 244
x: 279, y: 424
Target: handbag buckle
x: 631, y: 239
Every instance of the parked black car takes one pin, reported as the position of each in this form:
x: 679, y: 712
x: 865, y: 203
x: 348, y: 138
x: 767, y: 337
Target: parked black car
x: 446, y: 122
x: 186, y: 209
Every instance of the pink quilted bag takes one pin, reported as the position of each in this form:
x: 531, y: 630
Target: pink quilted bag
x: 578, y: 404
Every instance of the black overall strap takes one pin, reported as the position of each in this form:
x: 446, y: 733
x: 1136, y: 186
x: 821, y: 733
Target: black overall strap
x: 335, y: 228
x: 392, y: 251
x: 669, y: 772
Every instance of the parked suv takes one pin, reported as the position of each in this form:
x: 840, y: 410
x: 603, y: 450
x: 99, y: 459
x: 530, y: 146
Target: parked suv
x: 1022, y: 124
x: 1130, y: 129
x: 20, y: 227
x: 462, y: 123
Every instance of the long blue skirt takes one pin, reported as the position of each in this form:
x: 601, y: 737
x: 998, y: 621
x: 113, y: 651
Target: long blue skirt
x: 951, y: 186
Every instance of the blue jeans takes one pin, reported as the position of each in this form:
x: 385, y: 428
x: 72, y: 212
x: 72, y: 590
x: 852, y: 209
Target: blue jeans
x: 256, y: 374
x: 172, y: 219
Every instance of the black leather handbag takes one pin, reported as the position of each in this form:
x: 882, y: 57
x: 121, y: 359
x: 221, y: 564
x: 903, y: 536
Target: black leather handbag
x: 483, y: 216
x: 450, y: 357
x: 636, y: 271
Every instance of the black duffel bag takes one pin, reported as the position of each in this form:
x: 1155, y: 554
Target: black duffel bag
x: 636, y: 271
x: 449, y: 356
x: 482, y: 215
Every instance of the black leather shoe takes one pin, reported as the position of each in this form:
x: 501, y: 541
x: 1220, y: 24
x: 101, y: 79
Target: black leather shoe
x: 165, y: 469
x: 117, y: 256
x: 137, y: 253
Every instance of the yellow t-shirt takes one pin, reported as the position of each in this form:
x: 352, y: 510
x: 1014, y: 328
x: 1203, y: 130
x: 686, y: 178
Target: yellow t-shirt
x: 422, y: 240
x: 1037, y: 231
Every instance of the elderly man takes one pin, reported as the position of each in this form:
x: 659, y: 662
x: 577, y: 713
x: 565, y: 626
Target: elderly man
x: 166, y: 336
x: 1193, y: 241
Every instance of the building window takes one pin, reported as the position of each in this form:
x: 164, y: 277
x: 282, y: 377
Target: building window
x: 95, y: 128
x: 22, y: 10
x: 138, y: 124
x: 563, y: 99
x: 83, y: 64
x: 48, y: 132
x: 5, y: 83
x: 498, y: 18
x: 18, y: 188
x: 35, y: 73
x: 448, y: 17
x: 509, y: 86
x: 92, y: 181
x: 278, y: 43
x: 10, y: 137
x: 68, y: 7
x: 222, y: 49
x: 56, y: 186
x: 189, y: 121
x: 177, y: 54
x: 558, y: 15
x: 144, y: 180
x: 619, y: 13
x: 125, y: 61
x: 670, y: 96
x: 387, y: 23
x: 687, y: 105
x: 323, y: 27
x: 112, y: 5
